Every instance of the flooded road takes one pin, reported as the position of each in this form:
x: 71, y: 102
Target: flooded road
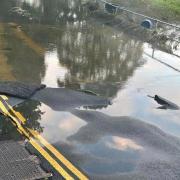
x: 57, y: 45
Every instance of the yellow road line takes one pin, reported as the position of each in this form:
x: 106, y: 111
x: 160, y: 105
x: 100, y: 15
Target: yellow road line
x: 51, y: 148
x: 58, y: 155
x: 50, y: 159
x: 18, y: 115
x: 36, y: 145
x: 4, y: 97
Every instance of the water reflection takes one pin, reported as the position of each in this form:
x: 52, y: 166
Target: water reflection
x: 54, y: 70
x: 44, y: 11
x: 153, y: 78
x: 82, y: 55
x: 90, y: 56
x: 7, y: 130
x: 108, y: 154
x: 123, y: 144
x: 58, y: 126
x: 105, y: 159
x: 32, y: 113
x: 98, y: 57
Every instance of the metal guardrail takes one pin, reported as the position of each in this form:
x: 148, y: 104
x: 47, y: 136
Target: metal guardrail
x: 139, y: 14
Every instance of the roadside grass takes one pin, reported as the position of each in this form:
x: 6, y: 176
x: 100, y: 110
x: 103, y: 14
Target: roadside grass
x: 172, y: 6
x: 168, y: 10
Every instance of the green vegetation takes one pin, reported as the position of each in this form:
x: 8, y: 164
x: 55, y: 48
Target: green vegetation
x: 168, y: 10
x: 171, y: 5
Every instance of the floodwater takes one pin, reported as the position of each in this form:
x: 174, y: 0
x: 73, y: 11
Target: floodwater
x: 58, y: 46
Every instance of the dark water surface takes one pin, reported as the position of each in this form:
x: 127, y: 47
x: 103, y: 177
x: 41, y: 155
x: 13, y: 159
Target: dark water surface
x: 56, y: 45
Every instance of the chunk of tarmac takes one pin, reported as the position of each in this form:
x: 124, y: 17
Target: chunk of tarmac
x: 19, y: 89
x: 60, y: 99
x: 166, y: 104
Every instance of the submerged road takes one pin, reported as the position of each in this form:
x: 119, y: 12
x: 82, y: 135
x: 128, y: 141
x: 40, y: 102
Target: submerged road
x: 117, y: 146
x: 82, y: 143
x: 34, y: 137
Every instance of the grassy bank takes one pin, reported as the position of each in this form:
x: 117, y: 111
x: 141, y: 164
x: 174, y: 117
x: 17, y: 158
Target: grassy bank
x: 168, y: 10
x: 172, y: 6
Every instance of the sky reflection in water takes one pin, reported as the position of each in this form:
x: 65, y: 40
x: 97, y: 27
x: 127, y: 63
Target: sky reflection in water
x: 79, y: 54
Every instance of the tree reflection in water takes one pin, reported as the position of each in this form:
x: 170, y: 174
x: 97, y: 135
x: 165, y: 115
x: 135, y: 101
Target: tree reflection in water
x: 32, y: 113
x: 98, y: 58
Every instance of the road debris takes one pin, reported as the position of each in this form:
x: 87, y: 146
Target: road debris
x: 166, y: 104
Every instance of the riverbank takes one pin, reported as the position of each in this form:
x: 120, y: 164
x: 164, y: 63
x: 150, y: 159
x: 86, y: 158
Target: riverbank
x: 168, y: 10
x: 171, y: 5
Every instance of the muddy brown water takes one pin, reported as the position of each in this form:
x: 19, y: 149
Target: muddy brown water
x: 61, y: 48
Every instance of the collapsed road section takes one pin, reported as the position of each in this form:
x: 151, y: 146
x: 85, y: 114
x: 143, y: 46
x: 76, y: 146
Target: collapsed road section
x: 65, y: 168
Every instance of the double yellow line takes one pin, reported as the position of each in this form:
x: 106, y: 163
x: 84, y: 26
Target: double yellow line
x: 34, y: 138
